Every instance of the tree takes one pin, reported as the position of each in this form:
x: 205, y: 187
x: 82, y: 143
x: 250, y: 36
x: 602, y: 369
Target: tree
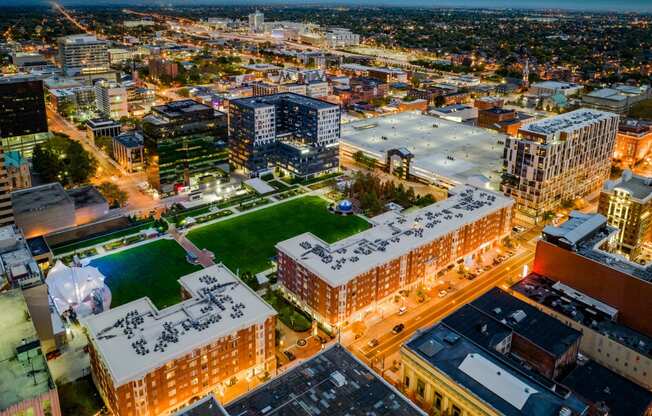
x: 105, y: 143
x: 115, y: 196
x: 548, y: 216
x: 60, y: 159
x: 440, y: 101
x: 567, y: 204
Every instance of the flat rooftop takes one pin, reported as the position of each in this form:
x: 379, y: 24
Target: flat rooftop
x: 29, y: 377
x: 551, y: 127
x: 130, y: 139
x: 385, y: 70
x: 638, y: 187
x: 208, y: 406
x: 180, y: 108
x: 393, y: 235
x: 137, y: 338
x: 442, y: 148
x: 86, y: 196
x: 540, y: 328
x: 601, y: 385
x: 495, y: 382
x: 332, y: 383
x: 39, y: 198
x: 274, y: 99
x: 583, y: 309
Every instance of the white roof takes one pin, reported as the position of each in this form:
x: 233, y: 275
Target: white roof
x: 73, y: 287
x: 475, y: 151
x: 567, y: 122
x: 186, y: 326
x: 578, y: 226
x: 394, y: 235
x: 259, y: 185
x: 497, y: 379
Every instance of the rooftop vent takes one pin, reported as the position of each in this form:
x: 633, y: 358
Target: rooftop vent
x: 338, y: 379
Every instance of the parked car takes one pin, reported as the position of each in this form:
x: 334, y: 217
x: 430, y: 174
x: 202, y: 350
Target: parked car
x: 402, y: 310
x: 52, y: 355
x: 398, y: 328
x: 442, y: 293
x: 373, y: 343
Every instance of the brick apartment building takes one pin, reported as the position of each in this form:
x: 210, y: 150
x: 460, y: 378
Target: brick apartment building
x: 344, y: 280
x: 146, y: 361
x: 633, y: 141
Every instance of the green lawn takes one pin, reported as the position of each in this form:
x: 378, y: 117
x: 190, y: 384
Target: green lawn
x: 642, y: 110
x: 246, y: 243
x: 288, y: 313
x: 100, y: 239
x: 148, y: 270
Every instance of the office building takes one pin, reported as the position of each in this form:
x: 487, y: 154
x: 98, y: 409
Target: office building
x: 564, y: 157
x: 73, y: 101
x: 627, y: 204
x: 150, y: 362
x: 28, y: 61
x: 256, y: 22
x: 23, y: 121
x: 83, y: 55
x: 633, y: 141
x: 333, y: 383
x: 129, y: 151
x: 111, y: 99
x: 579, y: 254
x: 604, y: 338
x: 27, y: 385
x: 6, y: 208
x: 549, y: 88
x: 343, y: 281
x: 159, y: 67
x: 17, y: 168
x: 341, y: 38
x: 292, y: 132
x: 180, y: 146
x: 98, y: 127
x: 446, y: 373
x: 381, y: 73
x: 618, y: 98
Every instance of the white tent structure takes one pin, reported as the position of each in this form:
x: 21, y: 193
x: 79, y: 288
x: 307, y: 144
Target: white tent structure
x: 81, y: 289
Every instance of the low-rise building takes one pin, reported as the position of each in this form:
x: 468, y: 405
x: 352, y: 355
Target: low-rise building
x: 98, y: 127
x: 617, y: 99
x: 149, y: 362
x: 89, y: 203
x: 17, y: 265
x: 341, y: 282
x: 341, y: 38
x: 627, y: 204
x: 17, y: 168
x: 459, y: 113
x: 633, y: 141
x: 27, y: 387
x: 549, y: 88
x: 333, y: 383
x: 128, y: 151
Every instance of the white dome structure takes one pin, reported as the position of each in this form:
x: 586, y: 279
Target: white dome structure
x: 80, y: 289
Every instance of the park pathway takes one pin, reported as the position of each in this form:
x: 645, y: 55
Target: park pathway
x: 204, y: 257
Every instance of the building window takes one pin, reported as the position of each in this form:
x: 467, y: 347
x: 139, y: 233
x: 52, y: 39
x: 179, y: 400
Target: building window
x: 438, y: 400
x: 407, y: 382
x: 456, y: 411
x: 421, y: 388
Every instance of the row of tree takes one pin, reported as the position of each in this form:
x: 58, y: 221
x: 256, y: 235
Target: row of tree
x: 60, y: 159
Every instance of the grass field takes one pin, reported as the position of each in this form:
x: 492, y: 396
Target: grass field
x: 148, y: 270
x: 100, y: 239
x: 246, y: 243
x: 642, y: 110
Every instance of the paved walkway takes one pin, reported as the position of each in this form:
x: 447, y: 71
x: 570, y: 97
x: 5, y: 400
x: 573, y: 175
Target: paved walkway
x: 204, y: 257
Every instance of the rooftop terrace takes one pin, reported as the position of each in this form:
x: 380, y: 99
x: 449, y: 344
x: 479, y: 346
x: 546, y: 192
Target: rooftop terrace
x: 332, y: 383
x: 136, y: 338
x: 393, y: 235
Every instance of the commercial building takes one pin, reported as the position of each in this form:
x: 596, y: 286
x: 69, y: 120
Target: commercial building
x: 98, y: 127
x: 23, y: 121
x: 256, y: 22
x: 333, y: 383
x: 152, y: 362
x: 444, y: 153
x: 633, y: 141
x: 446, y: 373
x: 627, y: 204
x: 564, y: 157
x: 549, y: 88
x: 44, y: 209
x: 83, y: 55
x: 341, y: 38
x: 208, y: 406
x: 604, y: 339
x: 293, y: 132
x: 458, y: 113
x: 119, y: 55
x: 508, y: 121
x: 74, y: 100
x: 17, y: 265
x: 180, y: 146
x: 6, y: 209
x: 28, y: 61
x: 111, y: 99
x: 340, y: 282
x: 580, y: 249
x: 159, y: 67
x: 27, y: 388
x: 129, y: 151
x: 381, y: 73
x: 617, y: 99
x: 17, y: 169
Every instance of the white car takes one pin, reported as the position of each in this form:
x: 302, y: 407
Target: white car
x: 402, y: 310
x: 442, y: 293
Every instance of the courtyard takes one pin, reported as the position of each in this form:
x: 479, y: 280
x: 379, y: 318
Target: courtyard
x: 150, y: 269
x: 246, y: 243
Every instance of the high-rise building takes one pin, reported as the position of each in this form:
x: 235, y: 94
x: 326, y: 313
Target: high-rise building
x: 23, y: 121
x: 342, y: 281
x: 256, y: 22
x: 181, y: 149
x: 148, y: 362
x: 6, y: 207
x: 627, y: 204
x: 83, y: 55
x: 293, y: 132
x: 564, y: 157
x: 111, y: 99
